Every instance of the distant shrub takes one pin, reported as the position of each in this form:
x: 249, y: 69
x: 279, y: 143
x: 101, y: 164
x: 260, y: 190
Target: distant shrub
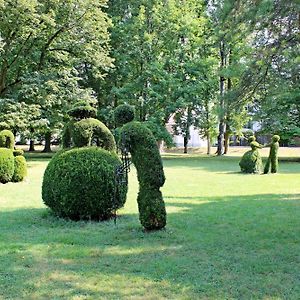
x: 18, y: 152
x: 7, y: 139
x: 123, y: 114
x: 82, y: 110
x: 80, y: 184
x: 20, y: 170
x: 7, y: 165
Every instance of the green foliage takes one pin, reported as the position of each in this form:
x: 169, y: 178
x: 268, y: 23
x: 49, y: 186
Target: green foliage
x: 7, y: 139
x: 146, y: 158
x: 251, y: 162
x: 7, y: 165
x: 80, y: 184
x: 272, y: 161
x: 18, y: 152
x: 88, y: 132
x: 123, y: 114
x: 20, y: 170
x: 82, y: 110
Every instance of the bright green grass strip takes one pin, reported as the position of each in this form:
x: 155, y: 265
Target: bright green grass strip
x: 229, y: 236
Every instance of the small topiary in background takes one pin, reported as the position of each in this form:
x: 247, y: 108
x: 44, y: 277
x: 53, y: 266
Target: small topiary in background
x: 272, y: 161
x: 80, y: 184
x: 140, y: 142
x: 7, y: 165
x: 12, y: 164
x: 123, y: 114
x: 251, y: 161
x: 7, y: 139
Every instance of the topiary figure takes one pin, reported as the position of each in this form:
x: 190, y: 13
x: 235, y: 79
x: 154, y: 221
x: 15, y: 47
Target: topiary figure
x: 7, y: 139
x: 272, y: 161
x: 7, y: 165
x: 80, y: 184
x: 84, y: 131
x: 123, y: 114
x: 251, y: 161
x: 146, y: 157
x: 20, y: 170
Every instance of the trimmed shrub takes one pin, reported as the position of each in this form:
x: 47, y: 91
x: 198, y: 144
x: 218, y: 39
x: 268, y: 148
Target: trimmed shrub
x: 92, y: 132
x: 82, y: 110
x: 18, y: 152
x: 123, y: 114
x: 80, y: 184
x: 146, y: 158
x: 7, y: 139
x: 7, y: 165
x: 251, y: 161
x: 272, y: 161
x: 20, y: 170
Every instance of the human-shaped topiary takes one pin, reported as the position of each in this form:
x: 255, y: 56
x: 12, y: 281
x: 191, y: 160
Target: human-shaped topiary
x: 251, y: 161
x: 146, y: 157
x: 272, y: 161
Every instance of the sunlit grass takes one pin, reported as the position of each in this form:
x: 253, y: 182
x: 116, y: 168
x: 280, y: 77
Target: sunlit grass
x: 229, y: 236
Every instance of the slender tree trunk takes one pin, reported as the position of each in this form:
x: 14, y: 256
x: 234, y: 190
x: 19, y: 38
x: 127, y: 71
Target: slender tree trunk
x: 208, y: 143
x: 220, y: 149
x: 47, y: 147
x: 227, y: 139
x: 185, y: 144
x: 31, y: 146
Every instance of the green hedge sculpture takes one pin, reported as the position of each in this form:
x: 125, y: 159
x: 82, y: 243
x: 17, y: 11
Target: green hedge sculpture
x: 13, y: 165
x: 79, y: 184
x: 251, y: 161
x: 146, y: 157
x: 272, y: 161
x: 80, y: 181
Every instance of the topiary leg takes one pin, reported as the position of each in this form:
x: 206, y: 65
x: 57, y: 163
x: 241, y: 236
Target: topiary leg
x: 151, y: 208
x: 274, y: 166
x: 267, y: 166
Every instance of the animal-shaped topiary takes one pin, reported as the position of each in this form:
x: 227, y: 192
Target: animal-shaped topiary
x: 12, y: 162
x: 140, y: 142
x: 80, y: 182
x: 272, y: 161
x: 251, y: 161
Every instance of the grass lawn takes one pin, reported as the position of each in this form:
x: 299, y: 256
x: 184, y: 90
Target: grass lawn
x: 229, y: 236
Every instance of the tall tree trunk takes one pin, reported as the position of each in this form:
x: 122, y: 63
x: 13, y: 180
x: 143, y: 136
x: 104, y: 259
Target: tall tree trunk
x: 227, y: 140
x: 185, y: 144
x: 31, y: 146
x: 208, y: 143
x: 47, y: 147
x: 220, y: 149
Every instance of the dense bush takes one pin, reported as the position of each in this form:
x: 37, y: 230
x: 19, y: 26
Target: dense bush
x: 80, y: 184
x: 251, y: 161
x: 146, y: 158
x: 272, y: 161
x: 7, y: 165
x: 82, y: 110
x: 7, y: 139
x: 88, y: 132
x: 123, y: 114
x: 20, y: 170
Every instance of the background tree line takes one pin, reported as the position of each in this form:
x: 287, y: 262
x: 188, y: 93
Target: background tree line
x: 208, y: 64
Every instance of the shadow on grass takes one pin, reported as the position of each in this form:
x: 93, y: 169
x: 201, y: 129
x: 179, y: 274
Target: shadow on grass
x: 233, y: 247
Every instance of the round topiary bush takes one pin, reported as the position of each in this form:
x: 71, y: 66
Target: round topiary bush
x: 7, y: 139
x: 7, y: 165
x: 123, y: 114
x: 20, y: 171
x: 251, y: 161
x: 80, y: 184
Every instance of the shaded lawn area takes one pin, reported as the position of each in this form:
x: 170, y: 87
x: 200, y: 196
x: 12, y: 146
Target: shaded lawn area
x: 229, y: 236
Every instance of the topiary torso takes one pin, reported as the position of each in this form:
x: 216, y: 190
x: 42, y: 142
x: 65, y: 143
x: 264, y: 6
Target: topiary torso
x: 251, y: 161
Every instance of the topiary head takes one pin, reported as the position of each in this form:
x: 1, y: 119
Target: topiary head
x: 124, y: 114
x: 82, y: 110
x: 251, y: 139
x: 254, y: 145
x: 275, y: 138
x: 7, y: 139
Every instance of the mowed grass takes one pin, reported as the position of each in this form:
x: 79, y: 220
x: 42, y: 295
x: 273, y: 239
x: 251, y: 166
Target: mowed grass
x: 229, y: 236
